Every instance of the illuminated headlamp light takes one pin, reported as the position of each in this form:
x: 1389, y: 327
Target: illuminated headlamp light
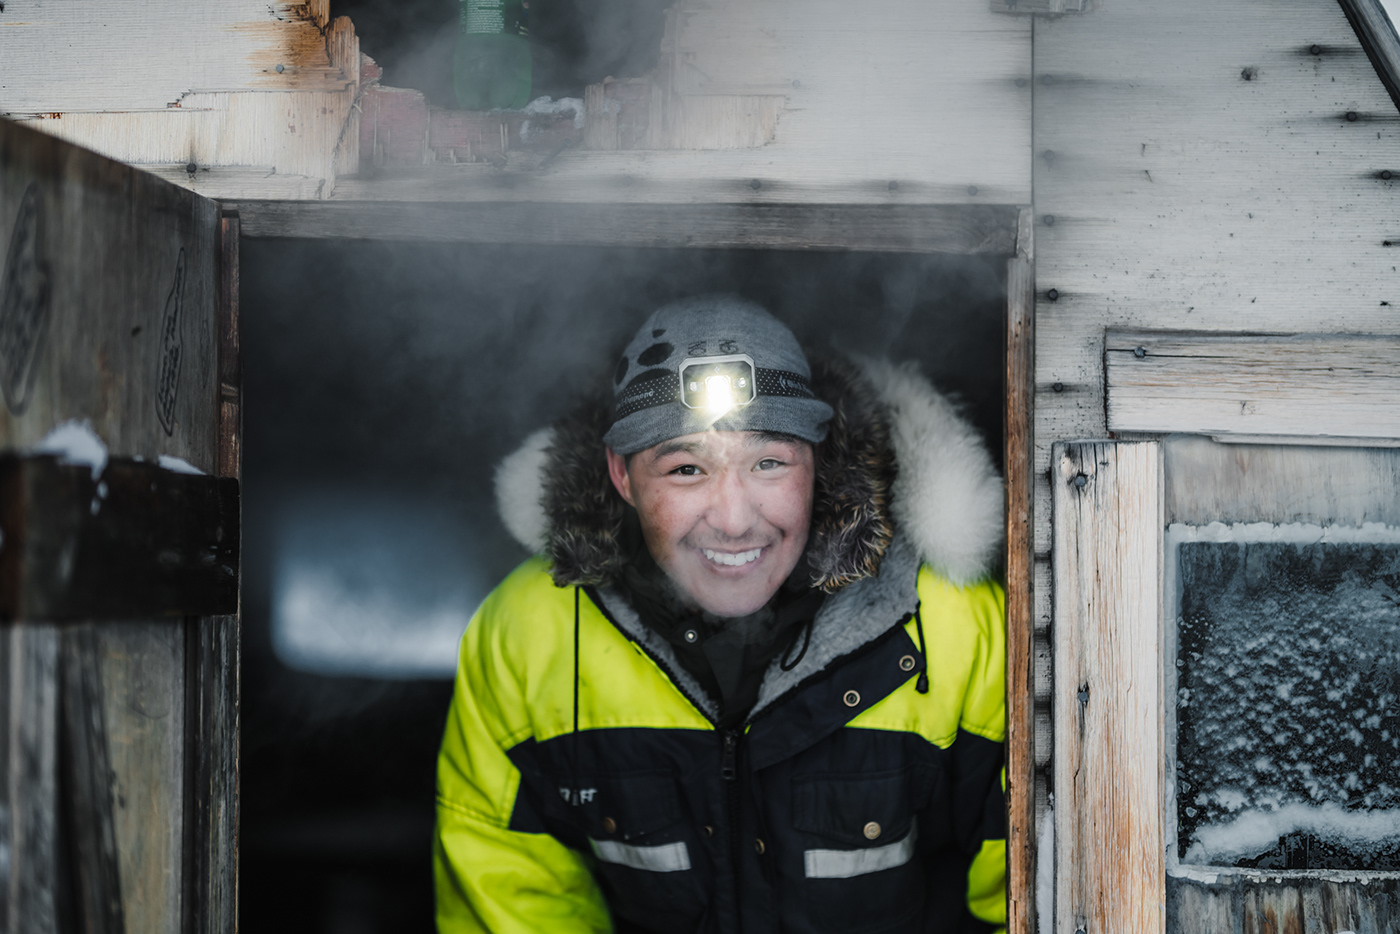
x: 717, y: 384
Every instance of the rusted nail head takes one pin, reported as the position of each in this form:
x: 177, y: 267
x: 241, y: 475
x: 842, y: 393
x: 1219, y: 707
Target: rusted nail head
x: 191, y: 168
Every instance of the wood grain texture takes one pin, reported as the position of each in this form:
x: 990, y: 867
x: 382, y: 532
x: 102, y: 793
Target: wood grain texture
x: 31, y: 717
x: 1020, y: 625
x: 1279, y: 905
x: 1210, y: 482
x: 1108, y: 763
x: 1340, y: 386
x: 1201, y: 173
x: 143, y: 685
x: 305, y: 133
x: 150, y: 55
x: 895, y: 229
x: 129, y: 267
x: 86, y: 788
x: 212, y: 657
x: 1378, y: 37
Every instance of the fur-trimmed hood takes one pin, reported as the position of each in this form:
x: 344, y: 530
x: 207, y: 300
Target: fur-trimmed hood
x: 902, y: 479
x: 898, y: 457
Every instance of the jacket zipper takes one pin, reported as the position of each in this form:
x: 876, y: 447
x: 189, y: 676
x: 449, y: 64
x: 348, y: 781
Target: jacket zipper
x: 729, y: 772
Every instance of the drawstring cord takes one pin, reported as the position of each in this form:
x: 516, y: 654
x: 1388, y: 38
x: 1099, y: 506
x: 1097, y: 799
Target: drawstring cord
x: 922, y: 684
x: 574, y: 795
x: 783, y: 662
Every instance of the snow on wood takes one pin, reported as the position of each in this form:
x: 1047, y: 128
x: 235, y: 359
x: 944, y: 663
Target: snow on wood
x: 1109, y: 763
x: 1306, y: 386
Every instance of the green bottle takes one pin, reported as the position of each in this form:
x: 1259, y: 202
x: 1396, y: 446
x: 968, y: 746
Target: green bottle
x: 492, y: 66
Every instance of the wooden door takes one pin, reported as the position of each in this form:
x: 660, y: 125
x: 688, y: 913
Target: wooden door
x: 118, y: 586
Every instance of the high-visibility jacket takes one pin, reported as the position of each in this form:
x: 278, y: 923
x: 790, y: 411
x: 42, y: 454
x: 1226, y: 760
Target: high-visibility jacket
x: 579, y: 787
x: 584, y: 784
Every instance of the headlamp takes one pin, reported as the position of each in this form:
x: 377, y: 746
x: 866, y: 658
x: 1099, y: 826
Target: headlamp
x: 717, y: 384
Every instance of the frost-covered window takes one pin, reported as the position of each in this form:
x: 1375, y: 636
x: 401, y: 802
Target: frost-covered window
x: 1287, y: 687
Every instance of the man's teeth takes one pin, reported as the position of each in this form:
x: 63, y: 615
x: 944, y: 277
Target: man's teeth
x: 743, y: 557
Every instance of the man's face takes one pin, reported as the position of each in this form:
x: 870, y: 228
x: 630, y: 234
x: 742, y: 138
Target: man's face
x: 724, y: 513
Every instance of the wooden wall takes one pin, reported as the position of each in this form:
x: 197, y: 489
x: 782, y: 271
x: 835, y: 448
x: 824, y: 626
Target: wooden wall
x: 1203, y: 166
x: 266, y: 87
x: 111, y: 285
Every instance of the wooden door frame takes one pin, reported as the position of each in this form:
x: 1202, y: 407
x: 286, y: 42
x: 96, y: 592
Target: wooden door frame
x: 959, y: 229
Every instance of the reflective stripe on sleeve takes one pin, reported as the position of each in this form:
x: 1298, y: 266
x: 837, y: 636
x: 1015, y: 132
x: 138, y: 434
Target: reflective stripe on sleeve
x: 669, y: 857
x: 843, y: 864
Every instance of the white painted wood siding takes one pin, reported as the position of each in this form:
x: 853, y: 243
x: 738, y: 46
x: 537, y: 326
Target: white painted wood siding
x: 1195, y: 169
x: 94, y: 55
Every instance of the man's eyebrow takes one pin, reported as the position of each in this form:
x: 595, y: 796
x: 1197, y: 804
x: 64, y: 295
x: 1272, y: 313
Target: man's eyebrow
x: 674, y: 447
x: 758, y: 438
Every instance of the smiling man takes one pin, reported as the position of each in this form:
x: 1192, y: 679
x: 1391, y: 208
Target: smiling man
x: 753, y: 681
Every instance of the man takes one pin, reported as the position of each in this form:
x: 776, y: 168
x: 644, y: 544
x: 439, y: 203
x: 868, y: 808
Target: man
x: 754, y: 681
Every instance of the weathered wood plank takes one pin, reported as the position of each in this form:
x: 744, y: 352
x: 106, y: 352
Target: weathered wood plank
x: 143, y: 681
x: 211, y: 742
x: 675, y: 176
x: 1110, y: 857
x: 859, y: 90
x: 148, y: 56
x: 1209, y: 482
x: 86, y: 783
x: 139, y: 541
x: 1020, y: 578
x: 1378, y: 38
x: 122, y: 273
x: 31, y: 715
x: 310, y: 133
x: 887, y: 228
x: 1209, y: 181
x: 1341, y: 386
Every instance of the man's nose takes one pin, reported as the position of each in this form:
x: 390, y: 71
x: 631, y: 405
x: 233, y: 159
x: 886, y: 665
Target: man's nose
x: 732, y: 510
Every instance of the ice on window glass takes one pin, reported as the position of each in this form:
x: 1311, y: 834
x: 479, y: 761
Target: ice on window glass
x: 1288, y: 690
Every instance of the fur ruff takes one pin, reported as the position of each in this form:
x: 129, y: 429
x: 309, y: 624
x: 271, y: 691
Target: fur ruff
x: 898, y: 456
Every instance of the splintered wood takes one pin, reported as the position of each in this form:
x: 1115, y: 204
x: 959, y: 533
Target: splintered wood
x: 1109, y: 761
x: 1310, y: 387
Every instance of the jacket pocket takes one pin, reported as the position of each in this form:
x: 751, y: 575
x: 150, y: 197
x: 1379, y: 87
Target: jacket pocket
x: 644, y: 855
x: 860, y: 865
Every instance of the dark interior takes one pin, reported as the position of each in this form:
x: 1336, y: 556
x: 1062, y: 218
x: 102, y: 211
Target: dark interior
x: 383, y: 383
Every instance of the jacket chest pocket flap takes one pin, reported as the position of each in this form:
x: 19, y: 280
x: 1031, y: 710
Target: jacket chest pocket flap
x: 864, y: 822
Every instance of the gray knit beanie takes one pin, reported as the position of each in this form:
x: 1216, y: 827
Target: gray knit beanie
x: 713, y: 362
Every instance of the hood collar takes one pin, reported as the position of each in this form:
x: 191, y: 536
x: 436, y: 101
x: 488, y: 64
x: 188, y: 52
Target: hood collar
x: 898, y: 456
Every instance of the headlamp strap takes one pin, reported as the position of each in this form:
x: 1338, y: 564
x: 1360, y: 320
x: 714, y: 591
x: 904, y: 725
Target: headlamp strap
x: 664, y: 388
